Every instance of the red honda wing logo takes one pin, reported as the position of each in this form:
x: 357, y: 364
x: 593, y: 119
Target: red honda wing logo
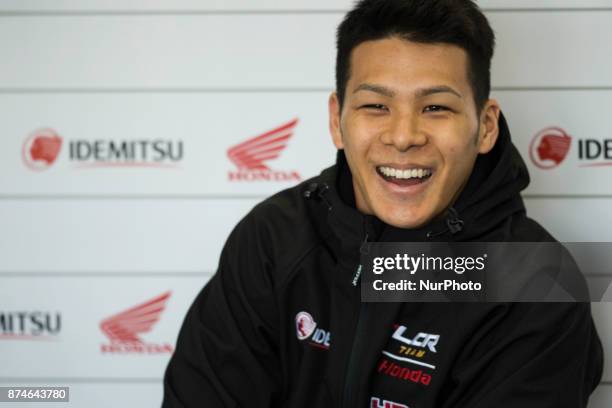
x: 125, y: 327
x: 252, y: 153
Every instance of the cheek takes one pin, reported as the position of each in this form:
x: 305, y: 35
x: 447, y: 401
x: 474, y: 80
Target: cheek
x: 452, y: 152
x: 458, y: 158
x: 356, y: 138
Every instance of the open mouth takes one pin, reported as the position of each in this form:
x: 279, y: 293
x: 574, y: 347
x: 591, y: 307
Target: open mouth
x: 404, y: 177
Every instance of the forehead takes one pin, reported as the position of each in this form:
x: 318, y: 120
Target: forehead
x: 407, y: 64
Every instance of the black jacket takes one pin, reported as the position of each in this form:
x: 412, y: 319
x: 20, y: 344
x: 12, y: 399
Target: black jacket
x: 281, y: 324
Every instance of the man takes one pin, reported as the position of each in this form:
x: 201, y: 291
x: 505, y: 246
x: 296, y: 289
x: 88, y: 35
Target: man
x: 423, y: 155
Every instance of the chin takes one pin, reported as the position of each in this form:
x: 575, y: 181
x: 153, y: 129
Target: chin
x: 403, y: 219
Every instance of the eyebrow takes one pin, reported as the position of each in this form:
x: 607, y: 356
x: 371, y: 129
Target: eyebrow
x: 420, y: 93
x: 379, y: 89
x: 437, y: 89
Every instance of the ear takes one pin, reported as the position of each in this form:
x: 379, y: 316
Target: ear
x: 334, y: 120
x: 489, y: 127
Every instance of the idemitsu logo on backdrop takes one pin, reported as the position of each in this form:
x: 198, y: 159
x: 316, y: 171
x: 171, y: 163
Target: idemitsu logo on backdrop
x: 36, y: 325
x: 550, y: 146
x: 123, y: 329
x: 41, y: 148
x: 251, y: 156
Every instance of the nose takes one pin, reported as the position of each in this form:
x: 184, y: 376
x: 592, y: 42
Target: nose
x: 403, y: 133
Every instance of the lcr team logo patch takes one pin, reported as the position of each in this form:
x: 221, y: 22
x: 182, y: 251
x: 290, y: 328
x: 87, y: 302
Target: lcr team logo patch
x: 410, y: 357
x: 420, y: 340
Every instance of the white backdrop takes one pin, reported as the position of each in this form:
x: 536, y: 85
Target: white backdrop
x: 87, y: 242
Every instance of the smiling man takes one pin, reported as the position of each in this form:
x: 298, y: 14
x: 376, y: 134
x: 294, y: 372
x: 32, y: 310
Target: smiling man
x: 411, y: 131
x: 424, y: 155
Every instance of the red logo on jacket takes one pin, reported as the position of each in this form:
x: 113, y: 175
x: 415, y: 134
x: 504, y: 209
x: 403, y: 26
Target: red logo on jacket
x: 381, y: 403
x: 306, y: 328
x: 304, y: 325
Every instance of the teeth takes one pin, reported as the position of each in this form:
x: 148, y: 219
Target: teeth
x: 404, y: 174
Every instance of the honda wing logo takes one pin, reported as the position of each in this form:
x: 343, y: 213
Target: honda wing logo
x: 123, y: 329
x: 250, y: 156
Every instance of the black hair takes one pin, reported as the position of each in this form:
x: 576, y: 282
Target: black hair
x: 456, y: 22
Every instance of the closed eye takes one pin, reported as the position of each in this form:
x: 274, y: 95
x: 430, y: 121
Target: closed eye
x: 435, y: 108
x: 375, y: 106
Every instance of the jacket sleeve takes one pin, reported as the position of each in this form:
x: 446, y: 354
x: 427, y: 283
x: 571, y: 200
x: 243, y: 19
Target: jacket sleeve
x: 540, y: 355
x: 227, y: 349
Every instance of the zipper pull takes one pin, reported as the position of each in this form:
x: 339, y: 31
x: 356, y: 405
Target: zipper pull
x: 454, y: 223
x: 363, y: 249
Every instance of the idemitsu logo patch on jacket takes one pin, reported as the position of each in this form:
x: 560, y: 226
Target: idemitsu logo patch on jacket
x: 306, y: 328
x: 409, y: 357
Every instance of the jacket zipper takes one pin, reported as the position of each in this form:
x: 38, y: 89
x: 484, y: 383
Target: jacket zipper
x: 352, y: 374
x: 362, y: 249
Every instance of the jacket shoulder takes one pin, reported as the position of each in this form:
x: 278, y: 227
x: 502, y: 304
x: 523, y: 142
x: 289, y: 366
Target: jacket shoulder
x: 525, y: 229
x: 279, y: 229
